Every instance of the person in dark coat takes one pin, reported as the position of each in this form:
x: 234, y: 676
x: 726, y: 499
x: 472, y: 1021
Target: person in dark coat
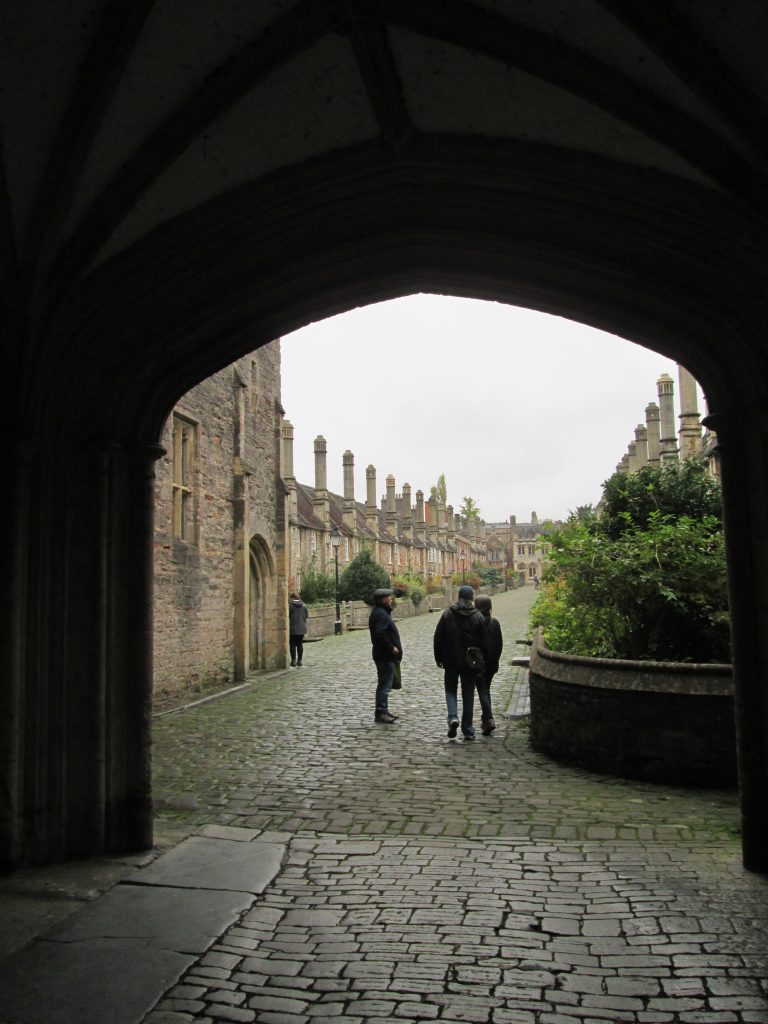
x: 297, y: 628
x: 386, y: 651
x: 495, y: 646
x: 460, y: 627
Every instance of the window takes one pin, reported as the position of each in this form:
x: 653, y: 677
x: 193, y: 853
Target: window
x: 184, y: 460
x: 346, y: 549
x: 313, y: 543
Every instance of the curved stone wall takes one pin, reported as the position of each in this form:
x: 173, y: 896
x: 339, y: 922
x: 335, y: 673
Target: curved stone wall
x: 662, y: 722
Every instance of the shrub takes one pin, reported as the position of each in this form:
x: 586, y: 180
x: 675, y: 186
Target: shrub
x: 641, y: 581
x: 410, y: 585
x: 317, y: 586
x: 490, y: 577
x: 361, y: 577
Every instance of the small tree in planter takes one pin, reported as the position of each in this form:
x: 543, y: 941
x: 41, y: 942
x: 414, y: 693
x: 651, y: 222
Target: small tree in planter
x: 361, y: 577
x: 317, y: 587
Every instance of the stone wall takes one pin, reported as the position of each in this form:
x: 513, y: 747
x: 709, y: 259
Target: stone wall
x: 219, y: 609
x: 658, y: 721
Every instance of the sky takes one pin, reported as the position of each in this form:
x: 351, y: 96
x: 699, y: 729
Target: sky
x: 520, y: 410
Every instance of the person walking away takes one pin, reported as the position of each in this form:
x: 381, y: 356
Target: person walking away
x: 386, y: 651
x: 495, y: 646
x: 461, y: 650
x: 297, y: 628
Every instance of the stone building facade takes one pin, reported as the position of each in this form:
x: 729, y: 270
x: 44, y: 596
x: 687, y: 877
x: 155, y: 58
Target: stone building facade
x: 403, y: 530
x: 220, y: 570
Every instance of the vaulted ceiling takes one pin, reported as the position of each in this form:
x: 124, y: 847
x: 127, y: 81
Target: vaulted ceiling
x: 160, y: 151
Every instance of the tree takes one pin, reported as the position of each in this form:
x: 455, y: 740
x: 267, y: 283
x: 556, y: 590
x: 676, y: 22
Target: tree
x: 646, y: 578
x: 469, y: 509
x: 440, y: 491
x: 361, y: 577
x: 675, y: 489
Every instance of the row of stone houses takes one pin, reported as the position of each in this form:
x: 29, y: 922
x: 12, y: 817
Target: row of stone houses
x: 235, y: 530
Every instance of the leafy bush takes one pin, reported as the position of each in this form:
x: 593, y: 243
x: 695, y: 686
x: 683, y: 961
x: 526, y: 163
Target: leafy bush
x: 361, y: 577
x: 644, y: 580
x: 317, y: 586
x: 490, y: 577
x: 410, y: 585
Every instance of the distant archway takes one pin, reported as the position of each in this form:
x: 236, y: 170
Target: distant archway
x: 262, y: 644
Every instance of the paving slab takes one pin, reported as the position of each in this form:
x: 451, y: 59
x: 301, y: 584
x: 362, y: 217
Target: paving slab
x: 201, y: 862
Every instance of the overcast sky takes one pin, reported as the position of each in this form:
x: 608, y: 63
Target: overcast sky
x: 522, y: 411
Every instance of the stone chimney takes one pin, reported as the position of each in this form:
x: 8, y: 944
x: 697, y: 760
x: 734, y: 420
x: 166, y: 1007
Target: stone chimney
x: 432, y: 522
x: 371, y: 512
x: 641, y: 441
x: 631, y: 456
x: 391, y: 507
x: 450, y: 530
x: 442, y: 536
x: 690, y: 425
x: 407, y: 515
x: 534, y: 519
x: 349, y: 514
x: 290, y: 479
x: 320, y: 503
x: 653, y: 427
x: 668, y: 438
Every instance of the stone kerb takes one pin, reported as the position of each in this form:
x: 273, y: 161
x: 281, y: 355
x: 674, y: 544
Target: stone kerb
x: 665, y: 722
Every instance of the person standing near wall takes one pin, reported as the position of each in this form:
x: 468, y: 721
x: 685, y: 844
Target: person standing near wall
x: 297, y: 628
x: 484, y: 605
x: 386, y: 651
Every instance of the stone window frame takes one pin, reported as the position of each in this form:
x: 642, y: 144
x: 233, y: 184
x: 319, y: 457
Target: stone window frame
x: 184, y: 486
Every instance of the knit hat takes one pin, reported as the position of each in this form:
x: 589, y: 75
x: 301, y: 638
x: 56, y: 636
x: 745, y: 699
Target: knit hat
x: 466, y: 592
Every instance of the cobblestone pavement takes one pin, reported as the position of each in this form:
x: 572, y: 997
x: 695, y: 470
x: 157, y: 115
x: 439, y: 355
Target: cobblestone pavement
x: 435, y: 879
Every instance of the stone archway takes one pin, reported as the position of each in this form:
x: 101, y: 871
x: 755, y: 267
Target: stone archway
x: 263, y: 649
x: 604, y: 168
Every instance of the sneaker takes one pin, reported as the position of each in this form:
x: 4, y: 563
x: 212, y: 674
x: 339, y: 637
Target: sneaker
x: 488, y: 727
x: 384, y: 717
x: 453, y: 727
x: 468, y: 736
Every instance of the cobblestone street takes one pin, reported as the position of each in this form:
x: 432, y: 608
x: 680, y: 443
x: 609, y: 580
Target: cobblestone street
x: 434, y: 879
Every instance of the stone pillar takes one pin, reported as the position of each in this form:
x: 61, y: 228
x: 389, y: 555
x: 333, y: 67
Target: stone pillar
x: 241, y: 566
x: 641, y: 445
x: 668, y: 439
x: 653, y: 427
x: 349, y: 513
x: 690, y: 426
x: 288, y: 472
x: 320, y: 503
x: 16, y: 458
x: 743, y: 442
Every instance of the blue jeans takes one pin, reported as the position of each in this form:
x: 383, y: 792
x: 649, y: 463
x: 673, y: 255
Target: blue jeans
x: 385, y: 672
x: 484, y: 693
x: 451, y: 677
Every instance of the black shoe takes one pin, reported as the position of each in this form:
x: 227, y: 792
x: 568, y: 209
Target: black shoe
x: 293, y: 663
x: 488, y: 726
x: 384, y: 717
x: 453, y: 727
x: 298, y: 664
x: 468, y: 737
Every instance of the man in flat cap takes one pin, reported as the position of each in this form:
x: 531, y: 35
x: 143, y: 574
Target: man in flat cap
x: 387, y: 651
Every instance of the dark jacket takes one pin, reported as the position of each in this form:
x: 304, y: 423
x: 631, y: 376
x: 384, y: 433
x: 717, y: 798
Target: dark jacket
x: 384, y: 635
x: 495, y: 646
x: 298, y: 613
x: 459, y: 627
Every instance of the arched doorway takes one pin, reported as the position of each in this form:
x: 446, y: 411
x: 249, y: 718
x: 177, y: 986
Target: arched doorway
x: 263, y: 648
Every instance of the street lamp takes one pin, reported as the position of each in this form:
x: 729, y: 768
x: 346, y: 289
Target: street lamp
x: 463, y: 557
x: 335, y: 541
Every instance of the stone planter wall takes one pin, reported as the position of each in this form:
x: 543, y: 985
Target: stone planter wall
x: 658, y: 721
